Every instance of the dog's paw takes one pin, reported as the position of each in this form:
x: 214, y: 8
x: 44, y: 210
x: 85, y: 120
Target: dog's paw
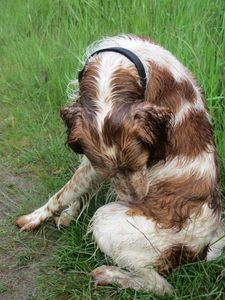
x: 163, y: 288
x: 66, y: 217
x: 31, y: 221
x: 107, y: 275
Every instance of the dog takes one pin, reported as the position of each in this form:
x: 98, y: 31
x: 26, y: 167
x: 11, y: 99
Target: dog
x: 141, y: 121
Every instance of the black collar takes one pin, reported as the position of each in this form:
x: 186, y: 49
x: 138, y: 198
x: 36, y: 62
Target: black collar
x: 130, y: 55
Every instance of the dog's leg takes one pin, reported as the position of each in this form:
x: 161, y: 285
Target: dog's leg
x: 217, y: 245
x: 133, y: 243
x: 79, y: 184
x: 144, y: 279
x: 70, y: 213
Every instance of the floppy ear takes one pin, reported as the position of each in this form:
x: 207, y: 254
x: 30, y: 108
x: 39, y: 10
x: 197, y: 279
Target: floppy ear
x: 71, y: 114
x: 73, y: 117
x: 152, y: 123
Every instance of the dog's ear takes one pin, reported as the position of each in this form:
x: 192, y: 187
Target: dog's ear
x: 71, y: 114
x: 152, y: 124
x: 73, y: 117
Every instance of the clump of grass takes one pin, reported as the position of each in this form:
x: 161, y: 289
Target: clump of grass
x: 3, y: 287
x: 42, y: 43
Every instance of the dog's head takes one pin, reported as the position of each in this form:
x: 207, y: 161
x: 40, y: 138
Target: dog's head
x: 121, y: 136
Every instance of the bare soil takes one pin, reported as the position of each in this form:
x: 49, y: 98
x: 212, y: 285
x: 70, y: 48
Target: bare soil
x: 21, y: 254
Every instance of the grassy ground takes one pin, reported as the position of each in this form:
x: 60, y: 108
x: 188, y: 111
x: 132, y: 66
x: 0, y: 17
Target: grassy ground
x: 41, y: 44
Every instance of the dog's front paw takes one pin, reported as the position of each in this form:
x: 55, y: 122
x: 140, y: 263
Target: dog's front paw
x: 66, y: 217
x: 31, y: 221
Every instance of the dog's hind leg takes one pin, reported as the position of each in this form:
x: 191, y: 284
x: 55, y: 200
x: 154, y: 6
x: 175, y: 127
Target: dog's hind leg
x: 146, y: 279
x: 133, y: 243
x: 79, y: 184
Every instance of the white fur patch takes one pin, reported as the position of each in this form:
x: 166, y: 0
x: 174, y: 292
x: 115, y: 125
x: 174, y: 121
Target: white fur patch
x: 202, y: 165
x: 111, y: 151
x: 187, y: 107
x: 108, y: 65
x: 125, y: 238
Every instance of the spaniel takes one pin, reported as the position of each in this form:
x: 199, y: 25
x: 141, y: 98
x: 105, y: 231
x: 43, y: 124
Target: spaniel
x: 141, y: 121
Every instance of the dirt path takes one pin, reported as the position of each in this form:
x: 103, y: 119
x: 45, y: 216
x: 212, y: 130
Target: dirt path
x: 21, y: 254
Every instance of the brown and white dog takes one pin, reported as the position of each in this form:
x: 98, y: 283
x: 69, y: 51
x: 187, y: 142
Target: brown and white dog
x: 156, y: 147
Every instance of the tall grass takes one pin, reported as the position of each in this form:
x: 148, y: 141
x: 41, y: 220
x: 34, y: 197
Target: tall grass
x: 41, y: 49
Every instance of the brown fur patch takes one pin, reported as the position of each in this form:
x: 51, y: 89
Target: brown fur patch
x: 171, y: 202
x: 130, y: 90
x: 176, y: 255
x: 139, y: 131
x: 135, y: 212
x: 191, y: 136
x: 164, y: 90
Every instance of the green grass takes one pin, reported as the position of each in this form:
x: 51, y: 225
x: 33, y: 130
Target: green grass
x: 41, y: 46
x: 3, y: 287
